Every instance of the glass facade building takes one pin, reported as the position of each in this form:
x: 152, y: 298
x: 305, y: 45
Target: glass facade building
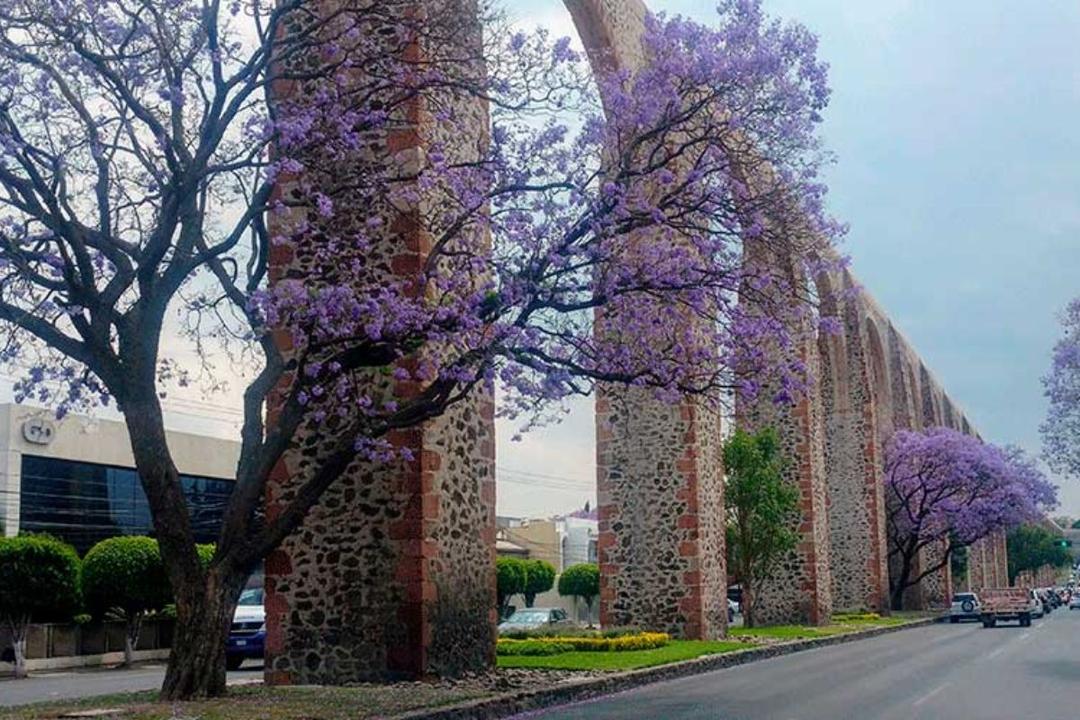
x: 83, y: 503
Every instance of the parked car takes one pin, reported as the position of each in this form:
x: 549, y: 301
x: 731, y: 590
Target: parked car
x: 535, y: 618
x: 1038, y: 609
x: 732, y: 609
x: 965, y: 606
x: 1074, y: 602
x: 247, y: 637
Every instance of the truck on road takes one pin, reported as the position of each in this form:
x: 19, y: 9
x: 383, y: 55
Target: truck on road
x: 1000, y: 604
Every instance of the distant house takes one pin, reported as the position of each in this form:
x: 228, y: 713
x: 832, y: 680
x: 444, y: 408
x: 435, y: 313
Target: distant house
x: 562, y: 540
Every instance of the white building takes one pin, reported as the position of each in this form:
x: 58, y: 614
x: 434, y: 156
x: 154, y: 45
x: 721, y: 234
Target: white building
x: 74, y: 478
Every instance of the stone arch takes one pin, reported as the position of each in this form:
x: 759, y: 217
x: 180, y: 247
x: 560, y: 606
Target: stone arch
x: 931, y: 399
x: 904, y: 385
x: 949, y: 415
x: 881, y: 382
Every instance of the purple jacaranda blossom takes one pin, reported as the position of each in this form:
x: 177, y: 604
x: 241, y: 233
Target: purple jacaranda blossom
x: 946, y: 490
x: 1061, y: 429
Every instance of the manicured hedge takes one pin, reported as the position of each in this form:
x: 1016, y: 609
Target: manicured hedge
x: 531, y: 647
x: 560, y: 644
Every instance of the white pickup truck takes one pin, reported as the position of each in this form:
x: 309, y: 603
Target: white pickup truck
x: 1006, y: 604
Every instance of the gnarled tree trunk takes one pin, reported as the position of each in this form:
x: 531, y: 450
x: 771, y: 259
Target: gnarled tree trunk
x: 196, y: 666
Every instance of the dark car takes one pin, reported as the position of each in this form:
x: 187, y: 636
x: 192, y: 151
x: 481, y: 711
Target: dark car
x: 247, y: 637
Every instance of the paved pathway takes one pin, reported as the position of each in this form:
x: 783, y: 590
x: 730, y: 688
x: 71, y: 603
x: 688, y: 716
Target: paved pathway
x: 85, y: 683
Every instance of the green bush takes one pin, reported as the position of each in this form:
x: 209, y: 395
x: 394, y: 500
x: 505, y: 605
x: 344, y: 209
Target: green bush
x: 125, y: 577
x: 510, y: 574
x: 566, y: 643
x: 549, y: 632
x: 531, y: 647
x: 39, y: 581
x: 581, y: 580
x: 539, y: 578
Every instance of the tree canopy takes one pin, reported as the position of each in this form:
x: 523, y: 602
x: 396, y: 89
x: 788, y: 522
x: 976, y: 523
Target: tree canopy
x: 540, y: 577
x: 1030, y: 547
x: 762, y: 511
x: 161, y: 163
x: 581, y: 581
x: 947, y: 489
x: 39, y: 581
x: 1061, y: 430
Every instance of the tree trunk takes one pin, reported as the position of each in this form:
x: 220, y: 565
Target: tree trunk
x: 131, y: 637
x: 902, y: 582
x: 18, y: 641
x: 197, y: 660
x: 530, y: 598
x: 748, y: 605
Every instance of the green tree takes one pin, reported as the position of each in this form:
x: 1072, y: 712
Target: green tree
x: 511, y: 576
x: 124, y: 578
x: 581, y: 581
x: 1030, y: 547
x: 540, y: 577
x: 762, y: 511
x: 39, y: 581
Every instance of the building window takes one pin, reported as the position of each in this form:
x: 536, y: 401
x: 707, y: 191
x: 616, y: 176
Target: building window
x: 83, y: 503
x: 592, y: 550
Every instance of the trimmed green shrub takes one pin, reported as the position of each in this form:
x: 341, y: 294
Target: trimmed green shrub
x: 123, y: 577
x: 539, y: 578
x: 581, y: 580
x: 39, y: 581
x: 567, y: 643
x: 531, y: 647
x: 550, y: 632
x: 510, y: 574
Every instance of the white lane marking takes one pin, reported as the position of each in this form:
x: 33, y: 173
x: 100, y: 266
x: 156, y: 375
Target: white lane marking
x: 997, y: 652
x: 1023, y: 637
x: 931, y: 694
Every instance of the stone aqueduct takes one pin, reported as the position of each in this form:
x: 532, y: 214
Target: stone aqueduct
x: 392, y: 575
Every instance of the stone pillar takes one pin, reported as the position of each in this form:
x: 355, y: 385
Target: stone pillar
x: 853, y: 462
x: 659, y: 478
x: 800, y: 589
x: 975, y: 579
x: 392, y: 574
x: 661, y: 510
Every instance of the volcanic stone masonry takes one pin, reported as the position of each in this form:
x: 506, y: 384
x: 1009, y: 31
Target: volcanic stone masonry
x: 392, y: 575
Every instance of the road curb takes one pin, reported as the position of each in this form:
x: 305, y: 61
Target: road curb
x: 523, y: 701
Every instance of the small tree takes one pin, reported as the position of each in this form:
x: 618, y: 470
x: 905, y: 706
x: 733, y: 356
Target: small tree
x: 540, y: 577
x: 1030, y: 547
x: 763, y: 511
x: 511, y: 576
x: 39, y: 581
x: 581, y: 581
x: 125, y: 578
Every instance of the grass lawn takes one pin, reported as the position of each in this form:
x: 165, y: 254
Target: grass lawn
x: 672, y: 652
x: 259, y: 703
x: 841, y: 625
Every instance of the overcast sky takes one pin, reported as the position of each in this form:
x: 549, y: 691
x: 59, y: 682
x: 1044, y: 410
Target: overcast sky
x: 955, y: 126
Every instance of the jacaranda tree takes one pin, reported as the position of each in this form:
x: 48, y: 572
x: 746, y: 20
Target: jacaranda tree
x: 947, y: 490
x: 156, y: 154
x: 1061, y: 431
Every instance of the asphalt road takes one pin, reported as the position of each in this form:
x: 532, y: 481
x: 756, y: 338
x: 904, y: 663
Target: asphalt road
x: 65, y: 685
x: 939, y: 672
